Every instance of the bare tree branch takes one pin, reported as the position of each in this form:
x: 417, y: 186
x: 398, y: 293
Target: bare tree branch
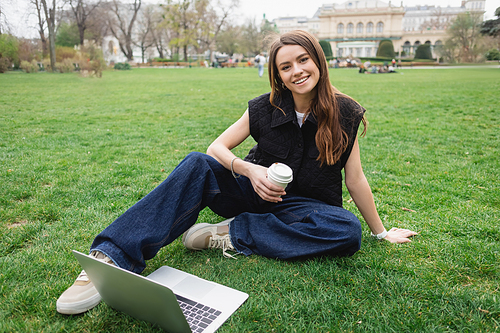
x: 122, y: 28
x: 82, y: 10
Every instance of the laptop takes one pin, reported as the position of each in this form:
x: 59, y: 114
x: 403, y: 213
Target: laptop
x: 172, y: 299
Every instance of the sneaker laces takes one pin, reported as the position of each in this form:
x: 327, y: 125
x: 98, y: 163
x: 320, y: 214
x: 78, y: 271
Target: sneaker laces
x: 82, y: 277
x: 99, y: 256
x: 222, y: 242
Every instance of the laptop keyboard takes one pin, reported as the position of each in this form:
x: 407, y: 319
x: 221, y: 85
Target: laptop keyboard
x: 198, y: 316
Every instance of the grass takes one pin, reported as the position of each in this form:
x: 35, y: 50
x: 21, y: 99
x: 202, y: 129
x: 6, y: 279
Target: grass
x: 76, y: 152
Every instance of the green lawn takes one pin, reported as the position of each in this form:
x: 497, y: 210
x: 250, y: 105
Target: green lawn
x: 76, y: 152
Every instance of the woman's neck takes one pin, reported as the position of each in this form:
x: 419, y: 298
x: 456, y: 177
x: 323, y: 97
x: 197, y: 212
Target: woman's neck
x: 302, y: 103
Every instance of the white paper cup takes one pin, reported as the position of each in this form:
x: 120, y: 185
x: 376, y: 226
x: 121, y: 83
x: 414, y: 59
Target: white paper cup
x: 280, y: 174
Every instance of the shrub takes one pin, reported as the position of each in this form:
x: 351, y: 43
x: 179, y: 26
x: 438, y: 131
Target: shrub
x: 25, y: 66
x: 386, y: 49
x: 423, y: 52
x: 327, y: 48
x: 29, y: 67
x: 97, y: 62
x: 64, y: 52
x: 90, y: 61
x: 122, y: 66
x: 46, y: 64
x: 65, y: 66
x: 4, y: 64
x: 492, y: 54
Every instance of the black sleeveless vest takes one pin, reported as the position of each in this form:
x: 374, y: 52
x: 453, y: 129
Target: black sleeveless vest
x: 280, y: 139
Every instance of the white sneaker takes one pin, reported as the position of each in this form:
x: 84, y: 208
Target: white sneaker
x: 203, y: 236
x: 82, y: 295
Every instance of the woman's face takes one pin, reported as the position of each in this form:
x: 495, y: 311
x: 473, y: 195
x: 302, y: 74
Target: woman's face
x: 297, y: 70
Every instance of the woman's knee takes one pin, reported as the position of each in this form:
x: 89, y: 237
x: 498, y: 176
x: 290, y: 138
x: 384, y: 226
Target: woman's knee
x: 353, y: 226
x: 197, y: 161
x: 196, y: 156
x: 350, y: 228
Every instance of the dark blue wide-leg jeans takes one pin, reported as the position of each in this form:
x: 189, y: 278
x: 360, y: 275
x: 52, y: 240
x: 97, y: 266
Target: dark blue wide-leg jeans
x: 293, y: 228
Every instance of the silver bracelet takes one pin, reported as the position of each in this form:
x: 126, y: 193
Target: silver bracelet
x: 232, y: 171
x: 381, y: 235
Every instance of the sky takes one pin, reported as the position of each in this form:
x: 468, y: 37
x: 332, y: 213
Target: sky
x: 22, y: 23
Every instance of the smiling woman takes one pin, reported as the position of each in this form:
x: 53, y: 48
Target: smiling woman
x: 304, y: 219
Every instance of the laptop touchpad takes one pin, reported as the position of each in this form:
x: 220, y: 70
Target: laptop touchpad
x: 194, y: 287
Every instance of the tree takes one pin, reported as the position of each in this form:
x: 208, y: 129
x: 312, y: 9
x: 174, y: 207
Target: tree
x: 386, y: 49
x: 492, y: 27
x: 251, y: 38
x: 266, y: 30
x: 181, y: 18
x: 447, y: 51
x: 256, y: 39
x: 228, y: 41
x: 41, y: 25
x: 144, y: 34
x: 159, y: 32
x: 8, y: 51
x: 439, y: 20
x: 212, y: 21
x: 465, y: 32
x: 97, y: 25
x: 492, y: 54
x: 67, y: 35
x: 4, y: 24
x: 50, y: 17
x: 121, y: 24
x: 423, y: 52
x: 82, y: 9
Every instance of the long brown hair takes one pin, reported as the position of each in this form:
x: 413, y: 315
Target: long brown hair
x: 331, y: 139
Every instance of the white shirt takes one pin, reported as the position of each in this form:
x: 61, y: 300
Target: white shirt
x: 300, y: 118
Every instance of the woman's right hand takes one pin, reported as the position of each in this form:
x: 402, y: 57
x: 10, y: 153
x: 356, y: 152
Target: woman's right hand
x: 262, y: 186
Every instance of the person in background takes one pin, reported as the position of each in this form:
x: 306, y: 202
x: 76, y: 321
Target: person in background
x: 260, y: 60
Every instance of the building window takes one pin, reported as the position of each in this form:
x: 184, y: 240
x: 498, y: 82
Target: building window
x: 369, y: 28
x: 359, y: 50
x: 340, y: 28
x: 407, y: 47
x: 339, y: 53
x: 368, y: 51
x: 380, y: 27
x: 350, y: 28
x: 359, y: 28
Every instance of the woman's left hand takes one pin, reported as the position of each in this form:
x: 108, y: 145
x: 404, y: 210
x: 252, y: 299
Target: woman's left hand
x: 396, y: 235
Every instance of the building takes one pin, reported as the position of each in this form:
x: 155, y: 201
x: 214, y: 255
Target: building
x: 286, y: 24
x: 355, y: 27
x: 428, y: 24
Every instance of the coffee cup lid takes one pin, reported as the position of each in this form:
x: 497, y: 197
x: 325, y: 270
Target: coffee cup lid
x: 281, y: 172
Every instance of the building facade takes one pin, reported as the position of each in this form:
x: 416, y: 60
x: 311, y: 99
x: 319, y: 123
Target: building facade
x: 364, y: 23
x: 286, y: 24
x: 354, y: 28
